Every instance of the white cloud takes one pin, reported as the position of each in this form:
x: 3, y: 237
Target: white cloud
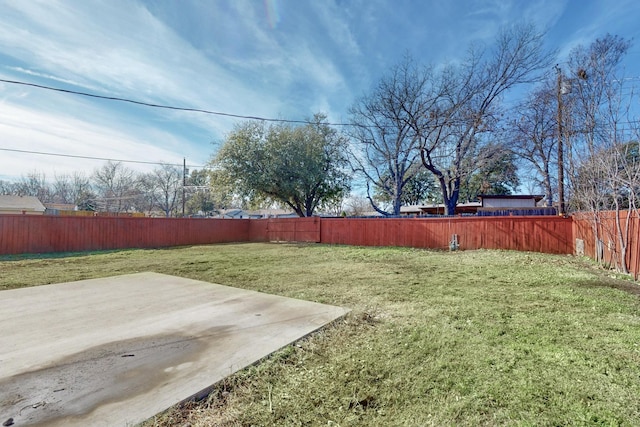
x: 117, y: 49
x: 126, y: 51
x: 28, y: 129
x: 233, y: 57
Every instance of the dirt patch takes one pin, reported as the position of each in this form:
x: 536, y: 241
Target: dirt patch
x: 611, y: 282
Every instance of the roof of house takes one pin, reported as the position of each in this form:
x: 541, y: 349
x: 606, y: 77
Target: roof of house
x: 257, y: 214
x: 439, y: 209
x: 21, y: 203
x: 537, y: 197
x: 274, y: 213
x: 411, y: 209
x: 232, y: 213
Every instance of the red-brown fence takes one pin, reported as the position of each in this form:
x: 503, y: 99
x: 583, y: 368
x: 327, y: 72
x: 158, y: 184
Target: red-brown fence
x: 548, y: 234
x: 295, y: 229
x: 43, y: 234
x: 285, y: 230
x: 602, y: 237
x: 540, y: 234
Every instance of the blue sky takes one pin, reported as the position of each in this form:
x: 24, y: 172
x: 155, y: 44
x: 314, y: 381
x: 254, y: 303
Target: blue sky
x: 269, y: 58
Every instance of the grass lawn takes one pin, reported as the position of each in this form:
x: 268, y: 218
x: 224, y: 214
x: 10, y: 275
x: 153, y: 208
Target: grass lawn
x: 435, y: 338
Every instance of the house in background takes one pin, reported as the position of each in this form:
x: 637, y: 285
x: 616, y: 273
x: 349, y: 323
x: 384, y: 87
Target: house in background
x: 257, y: 214
x: 488, y: 205
x: 509, y: 200
x: 60, y: 208
x: 469, y: 208
x: 233, y: 214
x: 273, y: 213
x: 513, y: 204
x: 21, y: 205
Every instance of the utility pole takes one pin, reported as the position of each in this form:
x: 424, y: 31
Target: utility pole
x: 184, y: 181
x: 560, y: 145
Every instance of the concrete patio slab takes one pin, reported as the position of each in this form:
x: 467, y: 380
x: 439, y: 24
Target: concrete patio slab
x: 115, y: 351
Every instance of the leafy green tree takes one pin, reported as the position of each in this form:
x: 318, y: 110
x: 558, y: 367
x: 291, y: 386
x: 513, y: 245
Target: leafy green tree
x: 498, y: 176
x: 200, y: 198
x: 300, y: 167
x: 86, y: 201
x: 416, y: 190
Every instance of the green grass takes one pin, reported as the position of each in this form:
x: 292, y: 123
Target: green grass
x: 435, y: 338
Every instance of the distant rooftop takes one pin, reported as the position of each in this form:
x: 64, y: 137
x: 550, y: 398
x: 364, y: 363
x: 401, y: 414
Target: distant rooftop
x: 18, y: 204
x: 537, y: 197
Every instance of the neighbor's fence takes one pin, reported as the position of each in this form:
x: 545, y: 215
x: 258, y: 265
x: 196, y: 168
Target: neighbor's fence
x: 600, y: 237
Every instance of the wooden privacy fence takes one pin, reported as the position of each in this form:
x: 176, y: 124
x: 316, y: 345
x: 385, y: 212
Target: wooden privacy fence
x: 43, y: 234
x: 597, y: 236
x: 613, y: 239
x: 540, y: 234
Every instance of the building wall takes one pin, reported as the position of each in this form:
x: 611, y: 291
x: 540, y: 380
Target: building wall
x: 508, y: 203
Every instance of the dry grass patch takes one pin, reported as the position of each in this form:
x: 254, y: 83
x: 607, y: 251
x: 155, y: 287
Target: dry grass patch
x: 435, y: 338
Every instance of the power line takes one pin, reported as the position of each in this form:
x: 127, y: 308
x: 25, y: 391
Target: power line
x: 217, y: 113
x: 197, y: 110
x: 97, y: 158
x: 168, y: 107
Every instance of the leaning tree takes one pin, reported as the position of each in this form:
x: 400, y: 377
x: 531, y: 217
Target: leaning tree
x: 455, y: 133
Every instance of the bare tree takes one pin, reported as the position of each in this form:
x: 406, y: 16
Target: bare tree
x: 453, y: 132
x: 8, y: 188
x: 533, y: 136
x: 116, y: 187
x: 356, y: 205
x: 71, y: 188
x: 147, y: 199
x: 594, y: 81
x: 607, y: 185
x: 35, y: 184
x: 603, y: 150
x: 386, y: 145
x: 163, y: 188
x: 593, y: 105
